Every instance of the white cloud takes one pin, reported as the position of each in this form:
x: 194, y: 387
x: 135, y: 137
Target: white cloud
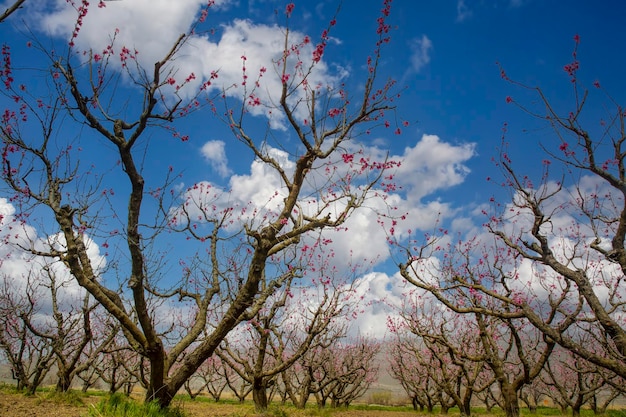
x: 432, y: 165
x: 21, y: 268
x: 215, y: 153
x: 151, y: 28
x: 420, y: 52
x: 463, y: 12
x: 427, y: 167
x: 383, y: 294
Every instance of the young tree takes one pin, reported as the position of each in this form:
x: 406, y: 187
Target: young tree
x: 69, y: 332
x: 532, y: 394
x: 29, y: 356
x: 294, y: 321
x: 119, y: 366
x: 208, y: 377
x: 611, y: 389
x: 345, y: 371
x: 570, y: 381
x: 409, y: 365
x: 241, y: 250
x: 446, y: 346
x: 509, y: 346
x: 297, y: 381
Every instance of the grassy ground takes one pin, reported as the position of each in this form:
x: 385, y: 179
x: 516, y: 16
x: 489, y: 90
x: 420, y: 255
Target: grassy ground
x: 47, y: 403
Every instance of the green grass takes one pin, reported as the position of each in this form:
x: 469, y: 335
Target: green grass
x: 118, y: 405
x: 71, y: 397
x: 8, y: 388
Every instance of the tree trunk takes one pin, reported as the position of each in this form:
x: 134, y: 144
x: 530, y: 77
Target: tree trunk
x: 430, y: 406
x: 259, y: 394
x: 64, y: 382
x: 511, y: 403
x: 465, y: 407
x: 580, y: 400
x: 157, y: 389
x: 64, y: 377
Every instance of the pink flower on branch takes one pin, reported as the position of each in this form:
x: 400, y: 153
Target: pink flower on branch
x: 289, y: 9
x: 335, y: 112
x: 318, y: 52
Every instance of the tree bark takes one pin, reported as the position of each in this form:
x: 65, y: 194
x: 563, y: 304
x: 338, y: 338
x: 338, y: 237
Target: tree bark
x: 259, y: 394
x: 511, y: 402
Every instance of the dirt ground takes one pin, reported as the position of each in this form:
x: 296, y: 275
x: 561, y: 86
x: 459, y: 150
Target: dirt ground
x: 41, y: 405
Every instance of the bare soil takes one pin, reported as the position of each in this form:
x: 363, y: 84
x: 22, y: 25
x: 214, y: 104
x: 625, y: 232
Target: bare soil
x: 45, y: 405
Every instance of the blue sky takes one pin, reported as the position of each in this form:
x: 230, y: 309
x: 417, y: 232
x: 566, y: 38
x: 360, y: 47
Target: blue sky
x: 443, y: 54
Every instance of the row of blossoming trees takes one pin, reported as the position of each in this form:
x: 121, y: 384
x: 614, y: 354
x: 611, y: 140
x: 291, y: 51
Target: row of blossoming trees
x: 462, y: 361
x: 533, y: 303
x: 268, y: 358
x: 181, y: 272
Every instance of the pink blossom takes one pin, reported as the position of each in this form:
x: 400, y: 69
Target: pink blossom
x: 289, y: 9
x: 318, y: 52
x: 334, y: 112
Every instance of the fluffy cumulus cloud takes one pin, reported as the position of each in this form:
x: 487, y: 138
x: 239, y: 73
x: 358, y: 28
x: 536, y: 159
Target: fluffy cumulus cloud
x: 384, y: 295
x: 428, y: 166
x: 215, y: 153
x: 432, y: 165
x: 152, y: 27
x: 24, y: 270
x: 257, y: 47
